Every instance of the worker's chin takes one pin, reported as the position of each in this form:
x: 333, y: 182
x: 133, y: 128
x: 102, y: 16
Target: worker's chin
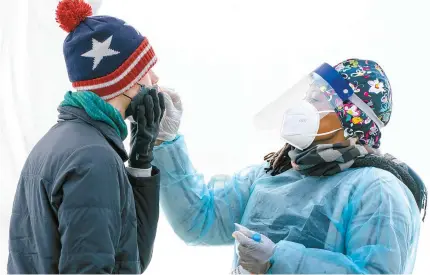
x: 325, y: 138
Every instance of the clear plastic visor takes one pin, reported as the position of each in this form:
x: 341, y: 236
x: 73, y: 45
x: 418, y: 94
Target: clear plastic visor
x: 312, y: 88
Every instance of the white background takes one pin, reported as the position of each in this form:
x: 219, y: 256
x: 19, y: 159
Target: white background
x: 227, y: 58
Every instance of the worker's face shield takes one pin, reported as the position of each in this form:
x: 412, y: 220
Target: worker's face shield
x: 324, y: 88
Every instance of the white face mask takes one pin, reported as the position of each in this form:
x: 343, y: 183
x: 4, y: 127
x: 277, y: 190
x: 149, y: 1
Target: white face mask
x: 301, y: 124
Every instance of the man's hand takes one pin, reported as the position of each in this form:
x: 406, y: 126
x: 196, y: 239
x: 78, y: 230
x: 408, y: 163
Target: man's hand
x: 147, y: 109
x: 255, y: 250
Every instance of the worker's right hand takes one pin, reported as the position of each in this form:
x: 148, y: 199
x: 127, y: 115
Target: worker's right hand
x: 171, y: 120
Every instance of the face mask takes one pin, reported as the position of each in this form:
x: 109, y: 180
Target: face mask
x: 301, y: 124
x: 129, y: 110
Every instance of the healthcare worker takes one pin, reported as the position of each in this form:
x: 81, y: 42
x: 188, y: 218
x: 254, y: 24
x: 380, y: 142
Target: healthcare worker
x: 328, y: 202
x: 77, y: 208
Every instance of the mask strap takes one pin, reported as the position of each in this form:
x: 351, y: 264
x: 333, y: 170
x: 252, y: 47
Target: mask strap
x: 367, y: 110
x: 326, y: 111
x: 317, y: 135
x: 327, y: 133
x: 127, y: 96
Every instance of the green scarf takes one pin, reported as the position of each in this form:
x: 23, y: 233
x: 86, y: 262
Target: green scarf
x: 97, y: 109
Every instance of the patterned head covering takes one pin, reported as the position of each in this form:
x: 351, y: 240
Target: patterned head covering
x: 371, y: 85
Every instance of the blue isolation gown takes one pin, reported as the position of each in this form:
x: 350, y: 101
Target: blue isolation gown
x: 362, y: 220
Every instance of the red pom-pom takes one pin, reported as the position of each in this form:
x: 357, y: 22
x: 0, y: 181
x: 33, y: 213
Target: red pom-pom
x: 70, y: 13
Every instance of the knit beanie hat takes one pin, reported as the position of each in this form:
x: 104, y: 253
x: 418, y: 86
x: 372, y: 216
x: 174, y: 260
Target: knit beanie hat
x: 103, y: 54
x: 371, y: 85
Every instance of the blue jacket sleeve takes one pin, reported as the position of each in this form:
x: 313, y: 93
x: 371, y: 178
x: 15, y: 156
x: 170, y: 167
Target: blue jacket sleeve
x: 381, y: 227
x: 200, y: 213
x: 89, y: 215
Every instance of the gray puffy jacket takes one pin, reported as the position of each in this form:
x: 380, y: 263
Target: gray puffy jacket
x: 77, y: 209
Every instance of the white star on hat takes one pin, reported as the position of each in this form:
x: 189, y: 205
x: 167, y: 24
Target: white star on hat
x: 100, y: 50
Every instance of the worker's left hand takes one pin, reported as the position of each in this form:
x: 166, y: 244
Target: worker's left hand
x: 255, y: 250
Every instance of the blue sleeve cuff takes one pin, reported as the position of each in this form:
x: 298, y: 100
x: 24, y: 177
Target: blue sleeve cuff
x: 167, y: 143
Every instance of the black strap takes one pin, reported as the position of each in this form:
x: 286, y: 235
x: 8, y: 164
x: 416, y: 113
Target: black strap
x: 127, y: 96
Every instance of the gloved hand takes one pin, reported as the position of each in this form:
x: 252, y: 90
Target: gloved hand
x: 172, y: 119
x: 147, y: 109
x: 239, y: 270
x: 255, y: 250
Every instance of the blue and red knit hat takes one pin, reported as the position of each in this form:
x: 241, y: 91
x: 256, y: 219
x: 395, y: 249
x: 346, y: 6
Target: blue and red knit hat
x: 103, y: 54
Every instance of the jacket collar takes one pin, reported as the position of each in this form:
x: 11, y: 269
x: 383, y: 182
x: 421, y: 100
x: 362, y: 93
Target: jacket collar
x: 68, y: 113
